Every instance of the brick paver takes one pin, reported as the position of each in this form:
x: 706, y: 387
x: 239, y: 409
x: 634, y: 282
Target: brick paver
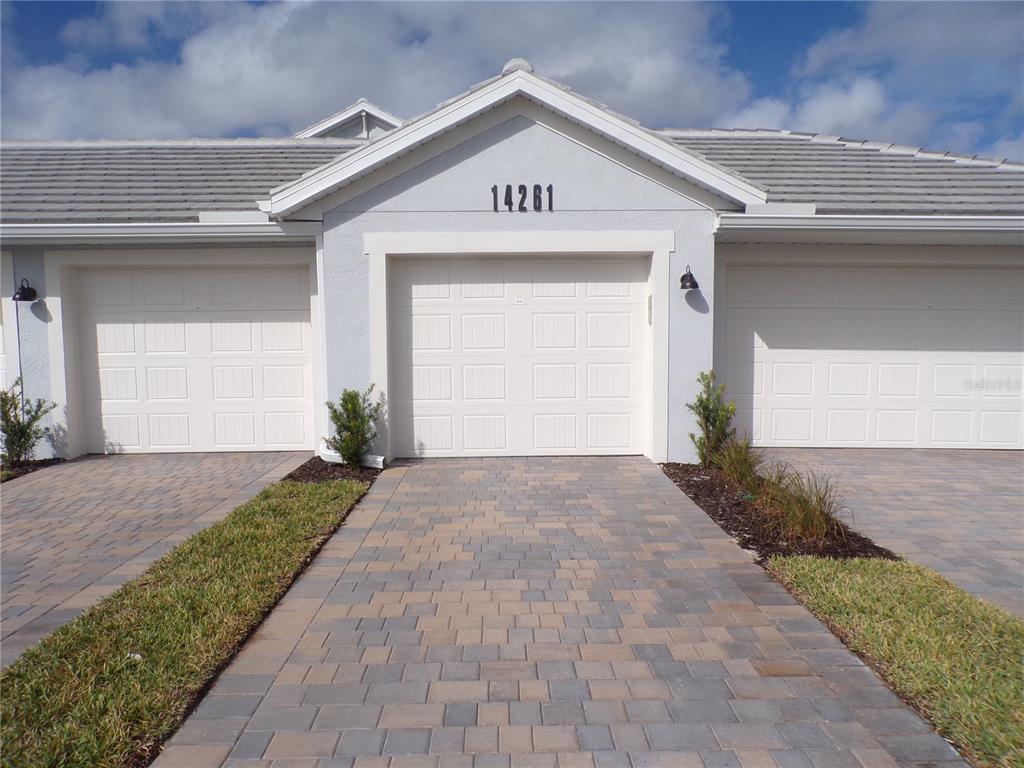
x: 544, y: 613
x: 959, y: 512
x: 73, y: 533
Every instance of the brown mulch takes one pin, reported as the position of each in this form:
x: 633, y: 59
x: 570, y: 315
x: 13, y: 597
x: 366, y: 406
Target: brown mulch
x: 316, y: 470
x: 736, y: 514
x: 20, y: 468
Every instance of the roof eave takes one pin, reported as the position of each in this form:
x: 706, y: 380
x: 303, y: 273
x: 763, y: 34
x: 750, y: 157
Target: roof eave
x: 157, y: 232
x: 859, y: 228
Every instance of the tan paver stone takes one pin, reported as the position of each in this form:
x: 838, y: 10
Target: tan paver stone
x: 286, y: 744
x: 192, y: 756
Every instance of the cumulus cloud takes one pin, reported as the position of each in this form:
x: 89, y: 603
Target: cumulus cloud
x: 275, y: 68
x: 912, y: 73
x: 959, y: 59
x: 944, y: 76
x: 859, y: 109
x: 1008, y: 147
x: 132, y: 25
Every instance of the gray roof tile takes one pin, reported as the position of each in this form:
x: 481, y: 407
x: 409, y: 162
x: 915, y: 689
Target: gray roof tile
x: 153, y: 182
x: 176, y: 180
x: 854, y: 177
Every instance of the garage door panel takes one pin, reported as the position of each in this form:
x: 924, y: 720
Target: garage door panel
x: 518, y: 356
x: 928, y: 369
x: 200, y: 377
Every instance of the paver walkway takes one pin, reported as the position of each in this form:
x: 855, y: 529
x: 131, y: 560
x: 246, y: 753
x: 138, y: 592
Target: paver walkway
x: 959, y: 512
x: 544, y: 613
x: 73, y: 533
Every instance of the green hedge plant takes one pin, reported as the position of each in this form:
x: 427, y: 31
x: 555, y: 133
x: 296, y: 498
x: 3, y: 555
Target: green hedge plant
x: 20, y: 424
x: 714, y: 418
x: 355, y: 418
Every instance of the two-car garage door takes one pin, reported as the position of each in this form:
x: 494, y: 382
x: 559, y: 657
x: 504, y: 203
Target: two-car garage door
x: 876, y: 356
x: 195, y: 359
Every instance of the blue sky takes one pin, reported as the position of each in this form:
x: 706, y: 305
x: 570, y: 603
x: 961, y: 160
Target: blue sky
x: 939, y: 75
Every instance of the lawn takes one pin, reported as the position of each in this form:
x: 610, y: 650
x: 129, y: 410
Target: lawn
x: 108, y: 688
x: 956, y: 658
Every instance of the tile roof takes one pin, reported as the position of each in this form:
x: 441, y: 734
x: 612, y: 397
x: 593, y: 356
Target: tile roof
x: 124, y: 181
x: 861, y: 177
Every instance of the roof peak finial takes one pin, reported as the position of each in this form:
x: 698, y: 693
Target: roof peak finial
x: 513, y: 64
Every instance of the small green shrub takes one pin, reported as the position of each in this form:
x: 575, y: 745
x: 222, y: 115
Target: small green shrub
x: 804, y: 506
x: 354, y: 417
x: 714, y: 418
x: 741, y: 464
x: 19, y: 425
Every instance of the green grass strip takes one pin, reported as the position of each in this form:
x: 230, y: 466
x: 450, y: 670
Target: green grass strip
x: 956, y: 658
x: 83, y: 697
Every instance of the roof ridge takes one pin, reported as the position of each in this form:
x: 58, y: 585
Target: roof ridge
x: 225, y: 142
x: 822, y: 138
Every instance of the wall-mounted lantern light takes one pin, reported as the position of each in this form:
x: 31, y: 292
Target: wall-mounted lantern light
x: 688, y: 282
x: 25, y: 292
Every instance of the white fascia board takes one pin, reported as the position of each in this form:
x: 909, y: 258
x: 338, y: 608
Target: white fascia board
x: 297, y: 194
x: 244, y: 231
x: 348, y: 113
x: 745, y: 221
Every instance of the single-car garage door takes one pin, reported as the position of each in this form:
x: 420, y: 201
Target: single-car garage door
x: 195, y: 360
x: 880, y: 356
x: 518, y: 356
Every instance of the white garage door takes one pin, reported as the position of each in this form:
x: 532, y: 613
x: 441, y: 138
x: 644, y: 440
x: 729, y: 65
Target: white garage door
x: 519, y: 356
x: 848, y: 356
x: 196, y: 360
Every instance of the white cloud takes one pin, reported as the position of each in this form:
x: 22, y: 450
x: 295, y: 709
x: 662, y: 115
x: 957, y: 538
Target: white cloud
x: 1008, y: 147
x: 131, y: 25
x: 945, y: 76
x: 856, y: 110
x: 930, y: 47
x: 277, y: 67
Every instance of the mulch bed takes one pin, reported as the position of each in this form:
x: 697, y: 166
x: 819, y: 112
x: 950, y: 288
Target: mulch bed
x: 316, y: 470
x: 737, y: 515
x: 17, y: 469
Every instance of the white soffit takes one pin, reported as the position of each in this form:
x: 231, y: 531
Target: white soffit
x: 322, y: 181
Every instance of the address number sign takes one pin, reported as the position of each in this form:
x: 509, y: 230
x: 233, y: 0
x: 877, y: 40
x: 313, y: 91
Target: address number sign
x: 523, y: 198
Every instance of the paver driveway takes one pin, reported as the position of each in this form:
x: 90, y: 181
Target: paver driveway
x: 75, y: 532
x: 540, y: 613
x: 959, y: 512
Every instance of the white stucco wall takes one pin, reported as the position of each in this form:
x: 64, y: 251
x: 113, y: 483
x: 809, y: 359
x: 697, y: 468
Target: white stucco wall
x: 598, y: 186
x: 35, y: 326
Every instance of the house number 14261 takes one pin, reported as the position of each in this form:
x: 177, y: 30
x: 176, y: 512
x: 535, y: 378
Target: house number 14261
x: 524, y: 198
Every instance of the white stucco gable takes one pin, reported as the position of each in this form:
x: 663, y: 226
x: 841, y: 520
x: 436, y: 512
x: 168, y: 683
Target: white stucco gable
x: 517, y: 83
x: 518, y: 144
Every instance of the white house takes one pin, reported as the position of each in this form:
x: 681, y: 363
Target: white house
x: 507, y: 269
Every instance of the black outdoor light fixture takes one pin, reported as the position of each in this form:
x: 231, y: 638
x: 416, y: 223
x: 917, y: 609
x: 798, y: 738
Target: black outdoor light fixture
x: 688, y: 282
x: 24, y: 293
